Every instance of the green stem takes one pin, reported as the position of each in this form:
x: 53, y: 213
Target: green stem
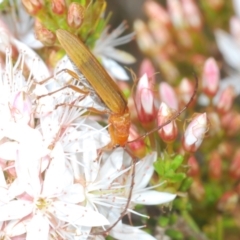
x: 190, y: 222
x: 196, y: 232
x: 170, y: 149
x: 219, y: 230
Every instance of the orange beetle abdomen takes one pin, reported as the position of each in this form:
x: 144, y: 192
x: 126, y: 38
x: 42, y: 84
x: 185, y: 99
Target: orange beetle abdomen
x: 119, y: 128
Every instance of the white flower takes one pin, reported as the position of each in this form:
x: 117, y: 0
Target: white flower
x: 21, y: 24
x: 140, y: 195
x: 229, y: 46
x: 105, y: 50
x: 56, y: 180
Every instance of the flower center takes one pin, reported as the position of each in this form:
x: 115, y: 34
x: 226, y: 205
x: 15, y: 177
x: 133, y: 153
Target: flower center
x: 42, y: 203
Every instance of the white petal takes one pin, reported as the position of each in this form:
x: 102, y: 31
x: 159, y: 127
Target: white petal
x: 8, y: 150
x: 114, y: 69
x: 229, y: 81
x: 16, y: 131
x: 147, y: 101
x: 57, y: 177
x: 38, y: 228
x: 15, y: 228
x: 144, y: 170
x: 100, y: 135
x: 229, y: 48
x: 4, y: 195
x: 15, y: 189
x: 27, y: 167
x: 119, y: 55
x: 98, y: 237
x: 15, y: 210
x: 38, y: 67
x: 112, y: 164
x: 89, y: 160
x: 2, y: 179
x: 152, y: 197
x: 76, y: 214
x: 236, y: 5
x: 57, y: 165
x: 203, y: 100
x: 30, y: 40
x: 26, y: 135
x: 73, y: 194
x: 124, y: 232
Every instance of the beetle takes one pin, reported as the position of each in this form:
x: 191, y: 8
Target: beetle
x: 105, y: 87
x: 110, y: 94
x: 107, y: 90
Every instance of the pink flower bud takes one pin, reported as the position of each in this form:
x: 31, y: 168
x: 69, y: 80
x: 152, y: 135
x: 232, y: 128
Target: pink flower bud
x: 148, y: 68
x: 194, y: 169
x: 226, y: 119
x: 225, y: 101
x: 167, y: 66
x: 197, y: 190
x: 44, y: 35
x: 157, y: 12
x: 176, y: 13
x: 185, y: 89
x: 169, y: 132
x: 137, y: 147
x: 234, y: 127
x: 184, y: 38
x: 211, y: 77
x: 22, y: 107
x: 75, y: 15
x: 225, y: 149
x: 228, y: 201
x: 58, y: 6
x: 195, y: 132
x: 144, y: 100
x: 234, y: 169
x: 192, y: 14
x: 215, y: 123
x: 215, y: 166
x: 168, y: 95
x: 161, y: 35
x: 32, y: 6
x: 231, y: 123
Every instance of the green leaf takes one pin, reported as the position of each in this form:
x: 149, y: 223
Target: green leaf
x: 163, y: 221
x: 176, y: 162
x: 173, y: 219
x: 159, y: 167
x: 186, y: 184
x: 174, y: 234
x: 175, y: 177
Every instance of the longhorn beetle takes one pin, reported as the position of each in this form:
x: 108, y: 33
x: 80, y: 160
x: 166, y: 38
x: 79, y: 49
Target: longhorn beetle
x: 105, y: 87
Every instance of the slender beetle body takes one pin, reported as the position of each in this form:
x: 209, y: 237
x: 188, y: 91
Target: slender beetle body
x: 102, y: 83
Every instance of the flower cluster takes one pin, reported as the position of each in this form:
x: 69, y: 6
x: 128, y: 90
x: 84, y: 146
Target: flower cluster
x: 177, y: 38
x: 61, y: 178
x: 57, y: 181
